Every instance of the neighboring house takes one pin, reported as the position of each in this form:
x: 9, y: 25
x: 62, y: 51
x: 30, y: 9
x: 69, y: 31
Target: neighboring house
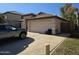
x: 41, y: 22
x: 13, y: 18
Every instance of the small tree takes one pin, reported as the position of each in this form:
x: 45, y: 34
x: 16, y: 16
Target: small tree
x: 1, y: 18
x: 68, y: 12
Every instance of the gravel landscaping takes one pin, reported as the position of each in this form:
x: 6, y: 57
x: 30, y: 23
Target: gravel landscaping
x: 69, y: 47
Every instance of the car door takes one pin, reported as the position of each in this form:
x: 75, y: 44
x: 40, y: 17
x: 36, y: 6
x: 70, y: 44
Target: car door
x: 3, y: 32
x: 9, y: 31
x: 14, y: 31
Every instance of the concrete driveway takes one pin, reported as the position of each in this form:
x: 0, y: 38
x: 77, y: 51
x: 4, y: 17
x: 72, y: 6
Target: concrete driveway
x: 38, y: 46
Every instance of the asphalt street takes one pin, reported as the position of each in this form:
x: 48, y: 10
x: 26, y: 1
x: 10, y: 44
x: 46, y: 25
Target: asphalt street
x: 13, y: 46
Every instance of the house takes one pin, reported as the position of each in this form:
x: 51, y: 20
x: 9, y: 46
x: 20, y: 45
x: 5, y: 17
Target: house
x: 41, y: 22
x: 13, y: 18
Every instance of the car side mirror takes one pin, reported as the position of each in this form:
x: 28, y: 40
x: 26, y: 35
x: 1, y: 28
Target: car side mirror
x: 13, y: 28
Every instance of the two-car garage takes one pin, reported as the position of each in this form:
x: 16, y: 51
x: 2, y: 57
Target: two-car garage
x: 42, y: 22
x: 41, y: 25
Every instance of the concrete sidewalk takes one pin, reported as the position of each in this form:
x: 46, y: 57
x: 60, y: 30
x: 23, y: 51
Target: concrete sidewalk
x: 38, y: 46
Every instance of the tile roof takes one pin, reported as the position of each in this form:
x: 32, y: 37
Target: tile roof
x: 42, y: 15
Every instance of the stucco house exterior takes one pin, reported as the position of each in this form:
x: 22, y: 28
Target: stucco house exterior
x: 13, y: 18
x: 41, y: 22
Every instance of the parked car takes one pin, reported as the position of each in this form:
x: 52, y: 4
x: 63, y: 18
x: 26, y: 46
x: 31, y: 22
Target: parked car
x: 7, y: 31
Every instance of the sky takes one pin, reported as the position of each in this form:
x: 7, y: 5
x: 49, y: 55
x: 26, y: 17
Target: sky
x: 51, y: 8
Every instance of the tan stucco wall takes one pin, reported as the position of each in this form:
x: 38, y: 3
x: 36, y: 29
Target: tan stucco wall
x: 13, y: 19
x: 23, y: 24
x: 57, y: 25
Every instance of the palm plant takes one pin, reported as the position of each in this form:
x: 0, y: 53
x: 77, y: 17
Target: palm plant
x: 68, y: 13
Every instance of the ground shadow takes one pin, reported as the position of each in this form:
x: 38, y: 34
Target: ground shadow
x: 13, y: 46
x: 67, y: 35
x: 61, y: 34
x: 73, y: 37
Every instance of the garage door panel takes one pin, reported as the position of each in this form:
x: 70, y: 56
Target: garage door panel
x: 39, y: 25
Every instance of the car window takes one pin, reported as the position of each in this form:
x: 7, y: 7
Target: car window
x: 2, y: 27
x: 6, y: 27
x: 9, y: 27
